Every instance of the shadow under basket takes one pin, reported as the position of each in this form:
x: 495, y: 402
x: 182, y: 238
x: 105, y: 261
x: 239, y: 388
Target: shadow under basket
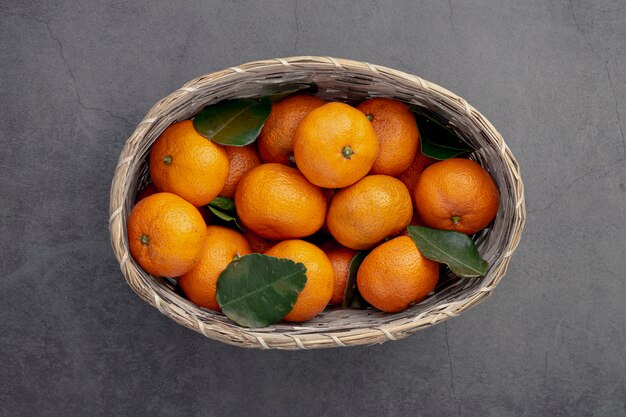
x: 351, y: 82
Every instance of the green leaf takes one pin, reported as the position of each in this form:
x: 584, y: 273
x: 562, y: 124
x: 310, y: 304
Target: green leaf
x: 258, y: 290
x: 226, y: 217
x: 437, y: 140
x: 351, y: 296
x: 224, y: 208
x: 224, y: 204
x: 452, y: 248
x: 233, y: 122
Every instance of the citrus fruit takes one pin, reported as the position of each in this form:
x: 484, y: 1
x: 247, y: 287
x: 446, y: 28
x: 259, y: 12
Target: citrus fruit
x: 340, y: 258
x: 242, y: 160
x: 165, y: 235
x: 376, y: 207
x: 456, y: 194
x: 150, y: 189
x: 277, y: 202
x: 276, y: 139
x: 397, y: 133
x: 187, y: 164
x: 221, y: 246
x: 395, y: 275
x: 319, y: 277
x: 257, y: 243
x: 335, y: 145
x: 413, y: 172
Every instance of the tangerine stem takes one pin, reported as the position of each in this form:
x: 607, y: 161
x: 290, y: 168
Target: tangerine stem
x: 455, y: 219
x: 167, y: 160
x: 144, y: 239
x: 370, y: 117
x: 347, y: 152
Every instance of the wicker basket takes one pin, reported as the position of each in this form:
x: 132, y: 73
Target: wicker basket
x: 336, y: 79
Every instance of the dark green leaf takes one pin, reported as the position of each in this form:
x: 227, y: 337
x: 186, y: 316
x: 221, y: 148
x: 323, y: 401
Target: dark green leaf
x: 224, y: 204
x: 226, y: 217
x: 258, y: 290
x: 286, y: 91
x: 233, y: 122
x: 351, y: 296
x: 452, y: 248
x: 437, y: 140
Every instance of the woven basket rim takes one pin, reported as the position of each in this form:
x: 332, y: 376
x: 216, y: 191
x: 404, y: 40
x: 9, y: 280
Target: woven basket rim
x: 306, y: 335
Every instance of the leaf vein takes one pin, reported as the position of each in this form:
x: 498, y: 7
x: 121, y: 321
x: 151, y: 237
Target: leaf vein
x: 448, y: 254
x: 248, y: 294
x: 224, y: 125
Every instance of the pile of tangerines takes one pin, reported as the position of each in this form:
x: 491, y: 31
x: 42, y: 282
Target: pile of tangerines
x: 353, y: 175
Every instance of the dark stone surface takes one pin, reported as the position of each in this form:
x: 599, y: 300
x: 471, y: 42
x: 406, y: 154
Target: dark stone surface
x: 75, y: 340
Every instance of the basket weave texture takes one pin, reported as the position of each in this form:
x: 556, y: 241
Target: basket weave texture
x: 348, y: 81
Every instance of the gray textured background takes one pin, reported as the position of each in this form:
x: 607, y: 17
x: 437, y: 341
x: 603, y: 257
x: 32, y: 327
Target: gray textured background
x: 77, y: 76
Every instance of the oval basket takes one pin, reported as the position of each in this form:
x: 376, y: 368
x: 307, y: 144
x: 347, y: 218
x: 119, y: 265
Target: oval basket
x: 348, y: 81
